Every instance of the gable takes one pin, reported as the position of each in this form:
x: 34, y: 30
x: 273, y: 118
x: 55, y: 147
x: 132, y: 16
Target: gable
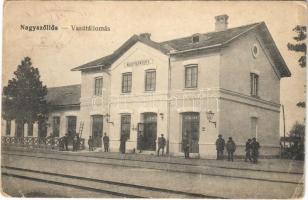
x: 140, y: 55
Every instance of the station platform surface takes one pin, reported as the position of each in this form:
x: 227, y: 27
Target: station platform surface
x: 273, y: 164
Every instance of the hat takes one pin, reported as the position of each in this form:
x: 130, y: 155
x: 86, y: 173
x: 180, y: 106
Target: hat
x: 219, y: 135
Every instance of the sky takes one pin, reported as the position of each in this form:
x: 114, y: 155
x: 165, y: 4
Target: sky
x: 55, y: 53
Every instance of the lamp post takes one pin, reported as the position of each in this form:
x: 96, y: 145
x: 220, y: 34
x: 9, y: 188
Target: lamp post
x: 210, y: 115
x: 108, y: 118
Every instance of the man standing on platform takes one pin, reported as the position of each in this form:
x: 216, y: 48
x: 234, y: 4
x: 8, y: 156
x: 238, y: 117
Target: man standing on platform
x: 186, y: 145
x: 90, y: 143
x: 65, y: 140
x: 255, y: 150
x: 106, y: 142
x: 123, y: 140
x: 161, y: 144
x: 230, y: 148
x: 140, y: 142
x: 220, y: 146
x: 248, y: 150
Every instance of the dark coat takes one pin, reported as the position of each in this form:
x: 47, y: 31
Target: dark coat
x: 248, y: 146
x: 106, y: 139
x: 140, y: 142
x: 161, y: 142
x: 220, y: 144
x: 255, y: 147
x: 230, y: 146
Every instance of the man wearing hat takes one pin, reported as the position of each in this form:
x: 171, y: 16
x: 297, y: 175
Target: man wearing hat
x: 255, y: 150
x: 161, y: 144
x: 220, y: 146
x: 230, y: 149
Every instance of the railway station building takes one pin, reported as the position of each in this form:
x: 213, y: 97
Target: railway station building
x: 223, y: 82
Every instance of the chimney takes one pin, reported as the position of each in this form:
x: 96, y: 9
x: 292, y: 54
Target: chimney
x: 145, y: 35
x: 221, y: 22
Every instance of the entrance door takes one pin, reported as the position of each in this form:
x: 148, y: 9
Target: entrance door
x: 19, y: 129
x: 42, y: 129
x: 71, y: 126
x: 150, y: 131
x: 190, y: 129
x: 97, y: 130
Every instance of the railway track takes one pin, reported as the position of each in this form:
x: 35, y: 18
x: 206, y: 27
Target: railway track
x: 267, y: 176
x: 116, y: 189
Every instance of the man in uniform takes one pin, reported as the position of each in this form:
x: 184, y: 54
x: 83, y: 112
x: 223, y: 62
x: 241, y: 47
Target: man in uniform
x: 248, y: 150
x: 140, y: 142
x: 90, y: 143
x: 65, y: 140
x: 230, y: 148
x: 186, y: 146
x: 255, y: 150
x: 106, y: 142
x: 123, y: 143
x: 75, y: 143
x: 220, y: 146
x: 161, y: 144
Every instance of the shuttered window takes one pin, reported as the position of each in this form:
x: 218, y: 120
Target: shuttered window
x: 150, y: 80
x: 127, y: 82
x: 254, y: 84
x: 98, y: 86
x: 191, y: 76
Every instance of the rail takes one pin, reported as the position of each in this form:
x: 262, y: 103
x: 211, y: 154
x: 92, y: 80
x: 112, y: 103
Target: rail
x: 37, y: 142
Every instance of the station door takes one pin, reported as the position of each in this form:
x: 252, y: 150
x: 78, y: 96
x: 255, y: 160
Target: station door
x: 97, y: 130
x: 190, y: 129
x: 150, y: 131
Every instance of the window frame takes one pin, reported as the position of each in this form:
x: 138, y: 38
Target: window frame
x: 254, y: 84
x: 152, y: 84
x: 190, y: 67
x: 98, y: 88
x: 127, y: 88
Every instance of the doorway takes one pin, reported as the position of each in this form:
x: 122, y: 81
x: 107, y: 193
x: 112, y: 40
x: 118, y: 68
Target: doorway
x: 71, y: 126
x: 97, y: 130
x: 150, y: 131
x: 190, y: 129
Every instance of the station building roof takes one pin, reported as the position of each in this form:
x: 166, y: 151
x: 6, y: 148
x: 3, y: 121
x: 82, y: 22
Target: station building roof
x: 185, y: 44
x: 64, y: 96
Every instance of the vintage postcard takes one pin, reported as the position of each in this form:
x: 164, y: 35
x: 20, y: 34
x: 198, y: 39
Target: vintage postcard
x: 149, y: 99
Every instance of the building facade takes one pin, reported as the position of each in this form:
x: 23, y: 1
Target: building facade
x: 223, y: 82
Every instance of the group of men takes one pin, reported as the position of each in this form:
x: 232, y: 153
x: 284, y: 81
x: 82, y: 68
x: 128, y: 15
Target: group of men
x: 161, y: 144
x: 251, y: 149
x: 220, y: 146
x: 105, y: 141
x: 252, y: 146
x: 65, y: 140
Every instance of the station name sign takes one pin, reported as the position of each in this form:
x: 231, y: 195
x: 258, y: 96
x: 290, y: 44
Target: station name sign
x: 138, y: 62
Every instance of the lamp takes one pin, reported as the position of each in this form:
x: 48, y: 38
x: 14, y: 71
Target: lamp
x: 161, y: 115
x: 210, y: 115
x: 108, y: 118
